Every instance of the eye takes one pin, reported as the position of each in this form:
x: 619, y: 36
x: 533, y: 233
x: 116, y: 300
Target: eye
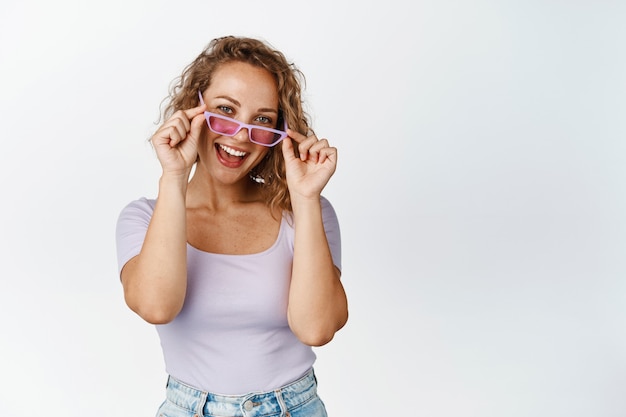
x: 225, y: 109
x: 263, y: 120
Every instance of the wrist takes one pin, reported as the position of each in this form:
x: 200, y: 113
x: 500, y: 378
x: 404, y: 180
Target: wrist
x: 173, y: 181
x: 305, y: 204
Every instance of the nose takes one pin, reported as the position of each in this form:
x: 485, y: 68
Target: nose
x: 242, y: 135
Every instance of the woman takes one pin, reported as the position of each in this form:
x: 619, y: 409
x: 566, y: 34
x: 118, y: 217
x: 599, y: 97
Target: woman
x: 237, y: 264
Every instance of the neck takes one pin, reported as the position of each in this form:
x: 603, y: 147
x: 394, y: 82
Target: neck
x: 206, y: 191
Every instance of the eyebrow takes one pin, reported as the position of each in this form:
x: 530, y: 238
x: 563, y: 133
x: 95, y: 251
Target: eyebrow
x: 237, y: 103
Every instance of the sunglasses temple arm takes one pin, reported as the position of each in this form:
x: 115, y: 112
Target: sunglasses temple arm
x: 201, y: 99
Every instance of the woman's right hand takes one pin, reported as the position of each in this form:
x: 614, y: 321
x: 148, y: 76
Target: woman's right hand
x: 176, y: 141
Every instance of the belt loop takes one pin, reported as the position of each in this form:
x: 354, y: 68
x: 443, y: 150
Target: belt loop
x: 281, y: 403
x: 201, y: 403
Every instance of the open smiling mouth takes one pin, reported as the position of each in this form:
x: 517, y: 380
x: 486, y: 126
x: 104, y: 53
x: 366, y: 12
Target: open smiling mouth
x: 229, y: 153
x: 230, y: 157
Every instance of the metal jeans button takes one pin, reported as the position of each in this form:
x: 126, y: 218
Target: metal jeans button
x: 248, y: 405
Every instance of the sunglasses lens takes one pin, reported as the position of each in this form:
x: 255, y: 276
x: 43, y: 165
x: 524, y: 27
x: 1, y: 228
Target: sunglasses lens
x: 228, y: 127
x: 263, y: 136
x: 223, y: 126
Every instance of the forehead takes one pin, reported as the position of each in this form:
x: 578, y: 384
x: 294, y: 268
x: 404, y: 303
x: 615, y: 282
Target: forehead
x: 244, y: 82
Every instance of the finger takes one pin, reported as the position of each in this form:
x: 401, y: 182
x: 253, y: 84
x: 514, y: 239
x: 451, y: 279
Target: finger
x: 295, y: 135
x: 197, y: 120
x: 175, y: 128
x: 178, y: 129
x: 175, y: 136
x: 166, y: 135
x: 329, y: 154
x: 194, y: 111
x: 314, y: 151
x: 306, y: 147
x: 177, y: 118
x: 181, y: 121
x: 196, y: 125
x: 287, y: 148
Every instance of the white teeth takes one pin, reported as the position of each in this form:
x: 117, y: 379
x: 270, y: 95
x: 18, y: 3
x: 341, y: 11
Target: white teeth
x: 232, y: 151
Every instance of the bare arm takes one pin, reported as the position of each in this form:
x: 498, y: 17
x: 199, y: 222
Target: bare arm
x: 155, y: 281
x: 317, y: 301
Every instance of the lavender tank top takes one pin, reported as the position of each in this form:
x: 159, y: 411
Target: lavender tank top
x: 232, y: 335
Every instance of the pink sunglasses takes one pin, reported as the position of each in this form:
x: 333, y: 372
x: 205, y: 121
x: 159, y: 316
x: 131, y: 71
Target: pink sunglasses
x: 228, y: 126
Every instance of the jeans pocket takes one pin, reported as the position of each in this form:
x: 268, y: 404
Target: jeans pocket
x: 169, y: 409
x: 313, y: 408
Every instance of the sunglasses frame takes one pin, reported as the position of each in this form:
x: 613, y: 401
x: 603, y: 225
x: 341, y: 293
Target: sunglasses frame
x: 241, y: 125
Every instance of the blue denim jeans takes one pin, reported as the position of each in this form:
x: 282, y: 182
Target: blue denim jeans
x: 298, y: 399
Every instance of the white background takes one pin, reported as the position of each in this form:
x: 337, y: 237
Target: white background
x: 481, y: 190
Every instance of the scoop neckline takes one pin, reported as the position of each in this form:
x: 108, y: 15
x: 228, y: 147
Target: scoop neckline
x: 263, y: 252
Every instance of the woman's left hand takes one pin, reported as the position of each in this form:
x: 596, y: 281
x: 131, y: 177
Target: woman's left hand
x: 308, y: 175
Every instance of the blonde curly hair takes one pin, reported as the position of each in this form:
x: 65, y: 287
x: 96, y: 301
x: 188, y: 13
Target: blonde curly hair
x: 183, y: 94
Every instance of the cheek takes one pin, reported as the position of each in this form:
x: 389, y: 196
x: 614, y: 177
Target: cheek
x: 205, y: 147
x: 206, y: 140
x: 263, y: 156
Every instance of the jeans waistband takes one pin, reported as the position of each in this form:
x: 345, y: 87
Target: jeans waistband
x: 254, y: 404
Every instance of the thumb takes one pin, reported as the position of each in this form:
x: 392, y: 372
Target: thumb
x: 196, y: 125
x: 288, y: 151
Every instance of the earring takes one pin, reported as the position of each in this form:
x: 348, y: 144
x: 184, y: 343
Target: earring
x: 256, y: 178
